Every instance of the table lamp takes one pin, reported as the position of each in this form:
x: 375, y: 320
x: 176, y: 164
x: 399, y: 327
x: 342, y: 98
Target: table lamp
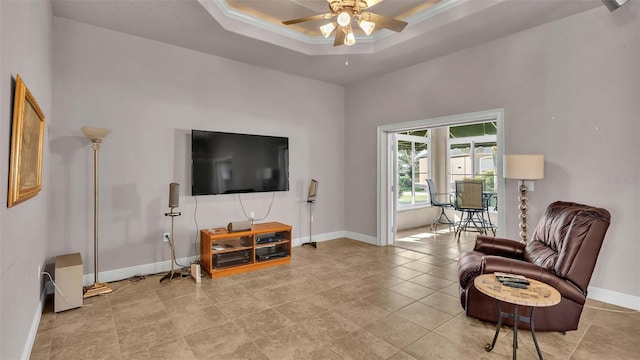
x: 523, y: 167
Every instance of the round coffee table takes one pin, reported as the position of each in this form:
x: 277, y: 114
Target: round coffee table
x: 537, y: 294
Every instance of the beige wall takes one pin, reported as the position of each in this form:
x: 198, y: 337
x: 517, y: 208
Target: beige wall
x: 570, y: 90
x: 152, y: 94
x: 26, y: 39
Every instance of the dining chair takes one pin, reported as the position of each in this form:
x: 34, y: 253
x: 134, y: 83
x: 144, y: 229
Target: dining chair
x: 433, y: 195
x: 469, y: 200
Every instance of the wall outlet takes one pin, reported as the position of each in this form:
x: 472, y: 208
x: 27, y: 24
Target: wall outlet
x: 165, y: 237
x: 39, y: 271
x: 251, y: 215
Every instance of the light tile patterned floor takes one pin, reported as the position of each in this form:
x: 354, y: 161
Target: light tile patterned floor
x: 343, y: 300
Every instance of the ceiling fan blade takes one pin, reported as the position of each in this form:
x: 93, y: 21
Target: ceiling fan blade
x: 308, y: 18
x: 340, y: 35
x: 386, y: 22
x: 371, y: 3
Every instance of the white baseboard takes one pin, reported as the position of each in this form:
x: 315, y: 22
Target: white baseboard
x: 337, y: 235
x: 318, y: 238
x: 146, y: 269
x: 33, y: 331
x: 361, y: 237
x: 614, y: 297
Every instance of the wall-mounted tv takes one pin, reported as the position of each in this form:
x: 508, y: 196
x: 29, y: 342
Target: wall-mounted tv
x: 227, y: 163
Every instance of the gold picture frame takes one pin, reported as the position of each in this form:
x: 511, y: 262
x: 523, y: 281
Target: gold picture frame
x: 27, y: 138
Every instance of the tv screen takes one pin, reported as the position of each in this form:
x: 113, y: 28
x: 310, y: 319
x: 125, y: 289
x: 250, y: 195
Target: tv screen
x: 226, y: 163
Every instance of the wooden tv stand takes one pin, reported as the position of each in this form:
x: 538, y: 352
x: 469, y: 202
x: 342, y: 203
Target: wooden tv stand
x: 224, y: 253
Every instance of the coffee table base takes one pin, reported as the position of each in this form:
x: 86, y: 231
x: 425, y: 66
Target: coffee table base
x: 516, y: 318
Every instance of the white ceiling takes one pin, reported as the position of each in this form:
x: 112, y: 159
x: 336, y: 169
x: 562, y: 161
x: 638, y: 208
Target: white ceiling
x: 255, y: 37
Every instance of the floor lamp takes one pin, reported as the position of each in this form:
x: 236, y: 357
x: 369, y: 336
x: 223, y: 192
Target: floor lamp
x: 523, y: 167
x: 95, y: 135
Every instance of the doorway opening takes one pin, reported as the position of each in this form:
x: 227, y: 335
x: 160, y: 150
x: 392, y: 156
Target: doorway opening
x: 442, y: 150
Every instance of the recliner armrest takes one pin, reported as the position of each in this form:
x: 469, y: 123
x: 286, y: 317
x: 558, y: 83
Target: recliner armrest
x: 491, y: 264
x: 499, y: 246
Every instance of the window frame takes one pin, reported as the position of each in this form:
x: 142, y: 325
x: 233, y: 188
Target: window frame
x: 413, y: 139
x: 472, y: 141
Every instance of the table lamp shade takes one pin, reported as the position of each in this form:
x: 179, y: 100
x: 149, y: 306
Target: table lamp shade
x: 524, y: 167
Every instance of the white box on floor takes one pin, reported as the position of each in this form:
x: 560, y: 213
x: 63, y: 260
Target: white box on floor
x: 68, y: 279
x: 195, y: 272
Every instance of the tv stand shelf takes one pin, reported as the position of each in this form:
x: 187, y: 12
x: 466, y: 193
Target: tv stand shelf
x: 224, y: 253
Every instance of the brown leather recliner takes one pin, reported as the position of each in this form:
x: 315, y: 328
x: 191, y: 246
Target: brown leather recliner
x: 562, y: 252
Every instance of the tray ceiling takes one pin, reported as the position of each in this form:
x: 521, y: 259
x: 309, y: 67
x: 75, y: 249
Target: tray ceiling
x: 249, y: 30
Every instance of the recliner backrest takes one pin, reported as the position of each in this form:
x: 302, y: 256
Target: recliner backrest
x: 567, y: 240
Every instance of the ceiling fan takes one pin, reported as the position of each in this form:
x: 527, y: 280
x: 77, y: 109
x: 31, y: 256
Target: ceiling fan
x: 345, y: 12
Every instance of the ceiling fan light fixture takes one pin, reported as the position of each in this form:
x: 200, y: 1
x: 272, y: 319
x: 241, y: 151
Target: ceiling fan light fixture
x: 327, y: 29
x: 367, y: 26
x: 343, y: 13
x: 350, y: 39
x: 344, y: 18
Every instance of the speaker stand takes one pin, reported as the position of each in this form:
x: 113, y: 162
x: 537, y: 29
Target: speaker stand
x: 310, y: 243
x: 172, y: 274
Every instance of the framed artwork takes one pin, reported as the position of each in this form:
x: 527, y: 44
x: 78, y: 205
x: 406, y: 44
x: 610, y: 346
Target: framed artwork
x: 27, y: 138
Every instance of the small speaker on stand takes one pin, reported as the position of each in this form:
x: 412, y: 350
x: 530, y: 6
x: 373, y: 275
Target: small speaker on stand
x: 174, y: 202
x: 311, y: 199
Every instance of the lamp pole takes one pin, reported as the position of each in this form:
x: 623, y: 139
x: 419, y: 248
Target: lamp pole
x: 96, y: 147
x: 524, y: 226
x: 95, y: 135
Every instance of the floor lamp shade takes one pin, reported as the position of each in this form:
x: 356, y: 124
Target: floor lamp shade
x: 523, y: 167
x: 95, y: 133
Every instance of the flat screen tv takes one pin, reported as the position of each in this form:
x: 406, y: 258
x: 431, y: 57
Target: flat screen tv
x: 227, y: 163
